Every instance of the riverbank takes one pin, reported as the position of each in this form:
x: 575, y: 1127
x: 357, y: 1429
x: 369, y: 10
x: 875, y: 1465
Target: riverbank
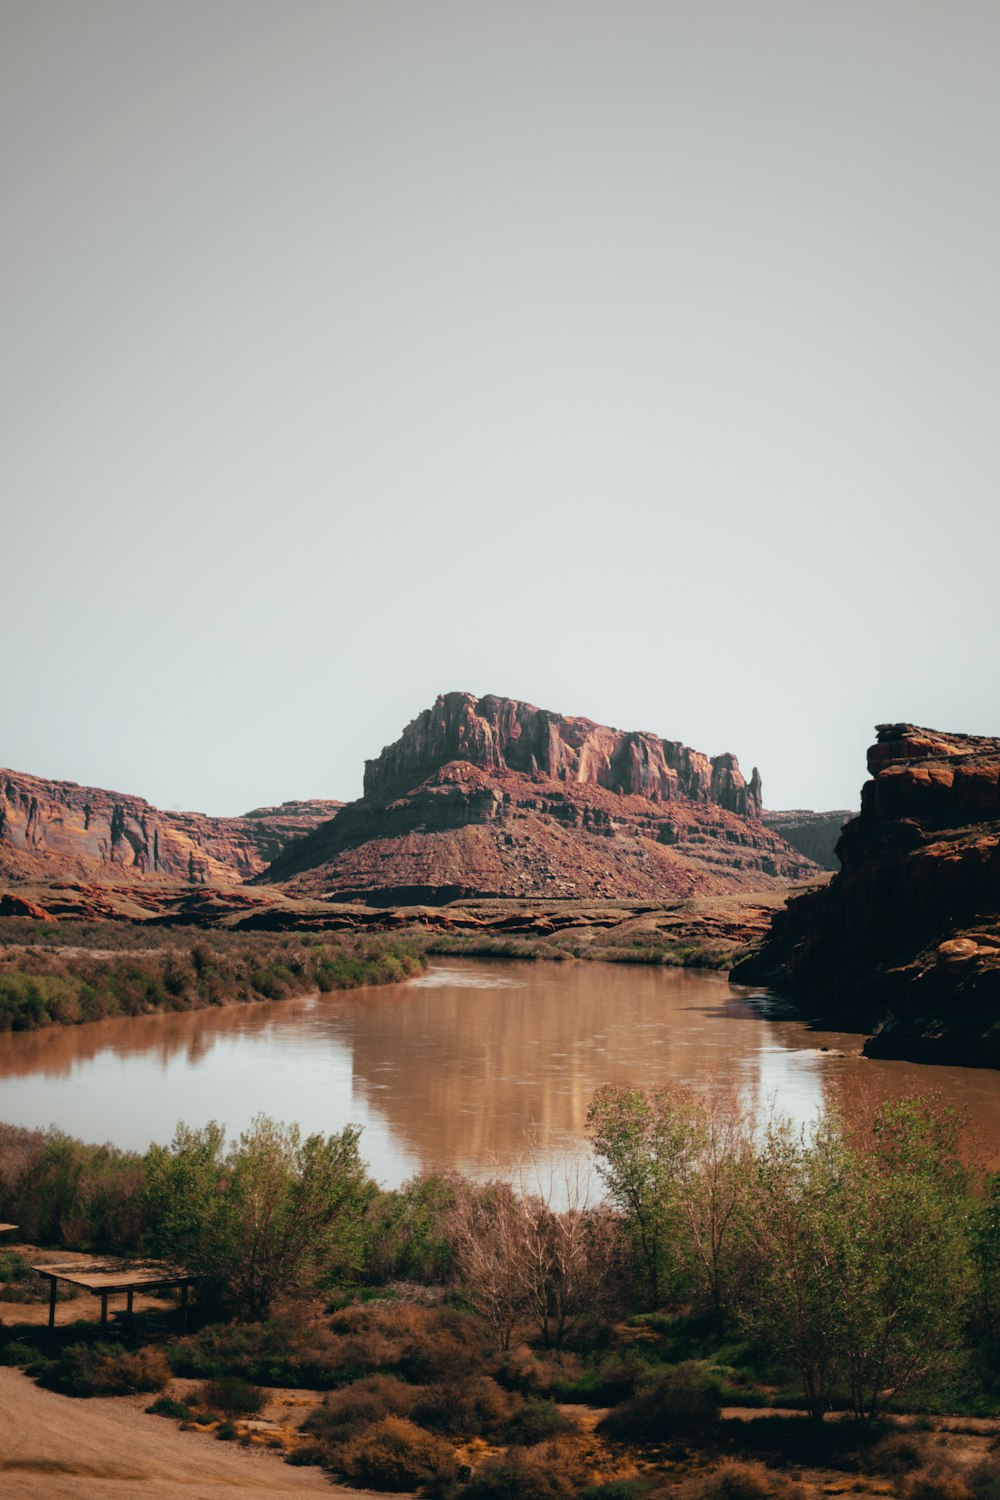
x: 66, y: 973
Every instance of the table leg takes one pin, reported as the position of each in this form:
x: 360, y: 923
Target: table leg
x: 52, y: 1301
x: 104, y: 1309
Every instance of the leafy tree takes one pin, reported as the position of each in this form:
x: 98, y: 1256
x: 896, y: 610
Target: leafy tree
x: 263, y: 1218
x: 862, y: 1241
x: 646, y: 1142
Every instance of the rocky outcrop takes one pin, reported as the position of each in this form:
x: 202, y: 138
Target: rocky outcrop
x: 494, y: 797
x: 502, y: 734
x: 905, y: 939
x: 53, y: 827
x: 814, y: 834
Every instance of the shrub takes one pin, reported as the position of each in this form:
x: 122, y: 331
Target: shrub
x: 352, y: 1408
x: 984, y: 1480
x: 522, y: 1369
x: 19, y: 1353
x: 616, y: 1489
x: 419, y: 1343
x: 550, y: 1471
x: 104, y: 1370
x: 899, y: 1453
x: 394, y: 1454
x: 682, y: 1404
x: 934, y: 1483
x: 465, y: 1409
x: 746, y: 1481
x: 536, y: 1422
x: 166, y: 1406
x: 619, y: 1377
x: 233, y: 1395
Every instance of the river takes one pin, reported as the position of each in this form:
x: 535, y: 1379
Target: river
x: 478, y: 1066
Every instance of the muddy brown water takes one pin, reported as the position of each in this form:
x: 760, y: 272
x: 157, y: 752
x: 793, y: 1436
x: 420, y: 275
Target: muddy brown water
x: 477, y: 1066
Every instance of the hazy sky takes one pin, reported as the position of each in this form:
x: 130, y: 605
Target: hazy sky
x: 637, y: 358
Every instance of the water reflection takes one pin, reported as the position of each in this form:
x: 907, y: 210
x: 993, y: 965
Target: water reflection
x: 460, y: 1069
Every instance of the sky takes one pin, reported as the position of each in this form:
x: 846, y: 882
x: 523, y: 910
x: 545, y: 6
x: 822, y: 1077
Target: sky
x: 638, y: 359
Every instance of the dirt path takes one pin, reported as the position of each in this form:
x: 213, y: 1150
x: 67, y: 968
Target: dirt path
x: 107, y: 1448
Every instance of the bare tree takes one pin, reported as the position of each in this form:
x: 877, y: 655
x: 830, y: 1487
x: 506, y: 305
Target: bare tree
x: 487, y: 1245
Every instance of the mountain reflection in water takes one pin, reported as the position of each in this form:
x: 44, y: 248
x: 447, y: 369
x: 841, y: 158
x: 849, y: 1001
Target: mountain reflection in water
x: 467, y: 1068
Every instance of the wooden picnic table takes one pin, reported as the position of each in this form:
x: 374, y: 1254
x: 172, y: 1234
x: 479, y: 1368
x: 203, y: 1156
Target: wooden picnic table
x: 102, y: 1278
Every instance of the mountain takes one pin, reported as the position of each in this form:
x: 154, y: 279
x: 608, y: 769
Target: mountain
x: 814, y: 834
x: 495, y: 797
x: 54, y: 828
x: 906, y: 937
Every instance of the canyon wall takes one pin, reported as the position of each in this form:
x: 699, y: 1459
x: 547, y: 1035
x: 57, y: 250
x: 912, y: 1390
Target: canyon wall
x: 52, y: 827
x: 905, y: 939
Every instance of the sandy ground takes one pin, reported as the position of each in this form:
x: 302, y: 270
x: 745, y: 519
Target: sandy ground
x: 107, y: 1448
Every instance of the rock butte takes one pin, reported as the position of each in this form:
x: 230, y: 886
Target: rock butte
x: 907, y: 935
x: 495, y: 797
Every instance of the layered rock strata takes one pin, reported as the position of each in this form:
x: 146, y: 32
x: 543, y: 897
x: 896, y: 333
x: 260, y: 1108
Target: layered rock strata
x: 53, y: 827
x: 494, y: 797
x: 905, y: 939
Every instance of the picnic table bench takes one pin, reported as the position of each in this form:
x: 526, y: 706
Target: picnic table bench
x: 103, y: 1278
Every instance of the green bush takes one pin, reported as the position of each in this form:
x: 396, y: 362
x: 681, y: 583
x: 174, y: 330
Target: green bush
x: 535, y: 1423
x: 106, y: 1370
x: 166, y: 1406
x: 18, y: 1353
x: 683, y: 1404
x: 233, y: 1395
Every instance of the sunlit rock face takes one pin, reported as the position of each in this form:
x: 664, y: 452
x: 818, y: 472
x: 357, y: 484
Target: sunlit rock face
x: 907, y: 935
x: 502, y: 734
x: 53, y: 827
x: 493, y: 796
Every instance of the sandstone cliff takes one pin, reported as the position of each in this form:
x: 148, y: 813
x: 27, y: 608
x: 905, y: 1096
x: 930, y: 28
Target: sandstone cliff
x: 51, y: 828
x: 495, y: 797
x: 906, y: 938
x: 814, y: 834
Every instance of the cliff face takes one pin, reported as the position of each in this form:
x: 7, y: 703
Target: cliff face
x: 814, y: 834
x: 495, y: 797
x: 906, y: 937
x: 56, y: 827
x: 502, y: 734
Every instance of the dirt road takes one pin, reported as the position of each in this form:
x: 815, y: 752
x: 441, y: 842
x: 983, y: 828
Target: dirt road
x: 107, y: 1448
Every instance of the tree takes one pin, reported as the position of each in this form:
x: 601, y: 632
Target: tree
x: 714, y: 1180
x: 571, y: 1257
x: 486, y: 1246
x: 263, y: 1218
x: 862, y: 1246
x: 646, y: 1141
x: 790, y: 1224
x: 905, y: 1271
